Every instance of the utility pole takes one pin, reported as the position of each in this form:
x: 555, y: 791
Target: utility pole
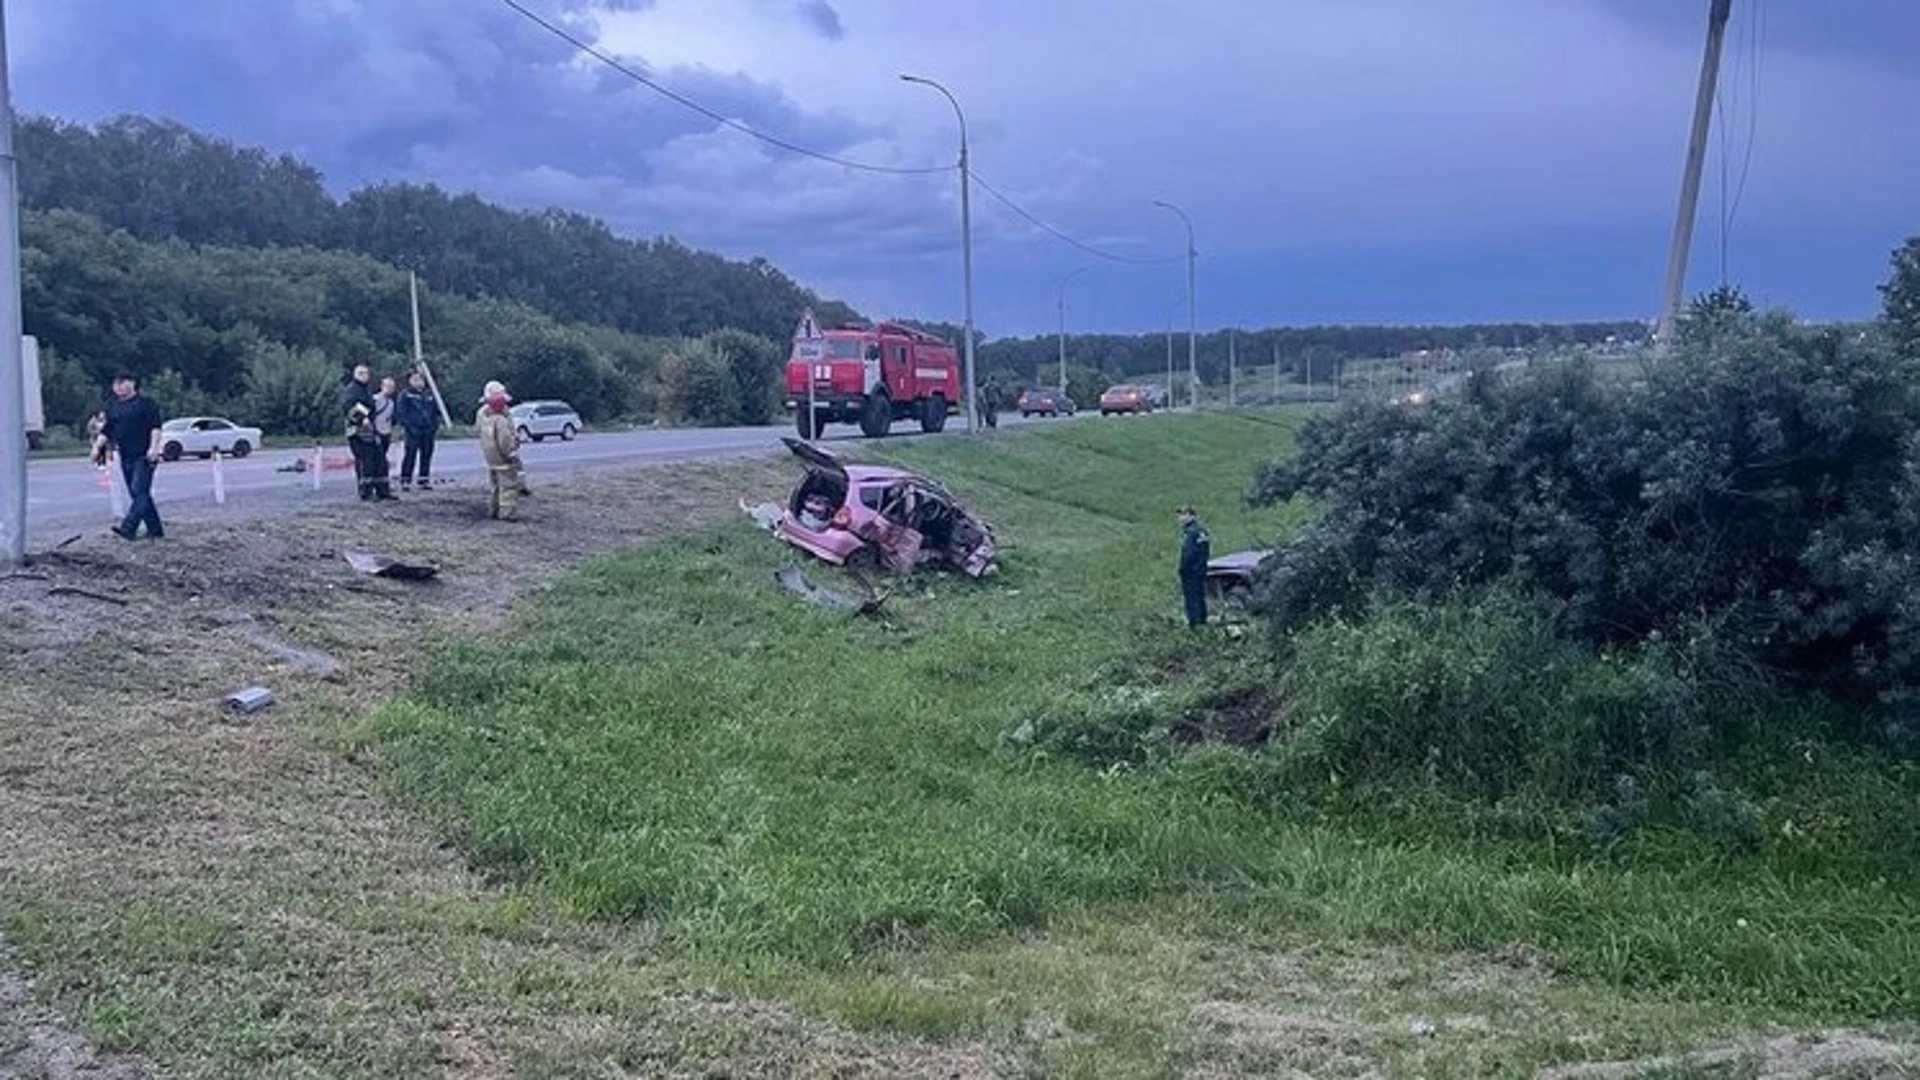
x: 1717, y: 15
x: 1233, y: 370
x: 420, y: 357
x: 1060, y: 300
x: 13, y: 376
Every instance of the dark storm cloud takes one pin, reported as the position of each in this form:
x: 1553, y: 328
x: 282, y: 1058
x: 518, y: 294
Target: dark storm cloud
x: 822, y: 17
x: 445, y: 90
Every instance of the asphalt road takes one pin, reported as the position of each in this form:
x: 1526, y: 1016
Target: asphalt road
x: 66, y: 496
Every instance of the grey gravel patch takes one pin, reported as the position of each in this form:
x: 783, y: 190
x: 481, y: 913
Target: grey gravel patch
x: 38, y: 1044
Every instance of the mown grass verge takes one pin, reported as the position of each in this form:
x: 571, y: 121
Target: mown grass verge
x: 784, y: 792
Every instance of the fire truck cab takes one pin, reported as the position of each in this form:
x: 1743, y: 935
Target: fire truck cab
x: 871, y: 376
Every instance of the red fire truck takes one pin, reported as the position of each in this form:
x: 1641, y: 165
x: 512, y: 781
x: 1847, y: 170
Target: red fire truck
x: 872, y: 376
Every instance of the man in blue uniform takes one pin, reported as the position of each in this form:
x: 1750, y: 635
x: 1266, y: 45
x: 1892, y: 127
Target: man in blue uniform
x: 1196, y: 547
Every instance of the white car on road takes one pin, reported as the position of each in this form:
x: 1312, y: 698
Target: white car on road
x: 203, y: 436
x: 535, y: 420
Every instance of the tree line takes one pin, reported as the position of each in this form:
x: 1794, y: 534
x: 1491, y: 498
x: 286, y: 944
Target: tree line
x: 234, y: 281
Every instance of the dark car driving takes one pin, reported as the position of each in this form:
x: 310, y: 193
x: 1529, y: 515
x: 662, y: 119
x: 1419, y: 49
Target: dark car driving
x: 1038, y: 402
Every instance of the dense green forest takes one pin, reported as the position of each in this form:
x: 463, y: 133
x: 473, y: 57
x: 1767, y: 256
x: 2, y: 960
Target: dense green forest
x: 235, y: 282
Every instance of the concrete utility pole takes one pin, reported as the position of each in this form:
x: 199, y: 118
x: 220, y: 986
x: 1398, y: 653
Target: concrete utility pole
x: 1060, y: 299
x: 419, y: 356
x: 966, y: 240
x: 1193, y: 366
x: 1717, y: 15
x: 13, y: 376
x: 1233, y: 371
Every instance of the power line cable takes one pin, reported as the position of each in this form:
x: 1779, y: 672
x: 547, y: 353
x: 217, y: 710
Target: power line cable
x: 1059, y: 235
x: 590, y: 50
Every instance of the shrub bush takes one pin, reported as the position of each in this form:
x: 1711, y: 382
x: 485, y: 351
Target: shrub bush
x: 1761, y: 484
x: 1480, y: 695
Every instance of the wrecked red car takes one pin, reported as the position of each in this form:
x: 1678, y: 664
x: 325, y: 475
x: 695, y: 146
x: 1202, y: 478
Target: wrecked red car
x: 839, y: 511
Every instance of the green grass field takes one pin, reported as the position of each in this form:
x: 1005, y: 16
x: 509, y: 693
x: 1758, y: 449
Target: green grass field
x: 854, y: 814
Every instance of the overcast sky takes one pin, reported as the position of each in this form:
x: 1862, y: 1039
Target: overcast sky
x: 1360, y: 161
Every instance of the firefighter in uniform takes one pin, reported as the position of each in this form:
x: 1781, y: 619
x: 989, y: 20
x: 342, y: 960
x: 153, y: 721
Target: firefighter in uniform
x: 1196, y: 547
x: 500, y: 445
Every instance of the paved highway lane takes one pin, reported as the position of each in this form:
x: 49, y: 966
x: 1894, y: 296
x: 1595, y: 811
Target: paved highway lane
x: 64, y: 496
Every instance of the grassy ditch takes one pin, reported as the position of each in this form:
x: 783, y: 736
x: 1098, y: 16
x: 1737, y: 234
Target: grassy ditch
x: 790, y: 797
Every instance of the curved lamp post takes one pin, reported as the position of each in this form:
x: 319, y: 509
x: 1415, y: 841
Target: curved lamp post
x: 1193, y: 367
x: 966, y: 239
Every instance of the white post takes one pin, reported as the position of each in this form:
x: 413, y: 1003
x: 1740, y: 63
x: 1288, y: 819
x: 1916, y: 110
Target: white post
x: 219, y: 481
x: 319, y: 465
x: 13, y: 376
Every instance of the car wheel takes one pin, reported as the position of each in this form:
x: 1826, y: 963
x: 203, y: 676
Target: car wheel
x: 241, y: 448
x: 525, y: 435
x: 808, y: 422
x: 170, y: 452
x: 568, y: 432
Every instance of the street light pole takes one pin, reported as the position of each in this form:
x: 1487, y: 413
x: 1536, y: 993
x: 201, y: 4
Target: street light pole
x: 966, y: 240
x: 1193, y: 367
x: 1060, y: 299
x: 13, y: 382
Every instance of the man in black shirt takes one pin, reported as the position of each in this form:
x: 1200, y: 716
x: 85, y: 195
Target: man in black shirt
x: 358, y: 406
x: 132, y: 430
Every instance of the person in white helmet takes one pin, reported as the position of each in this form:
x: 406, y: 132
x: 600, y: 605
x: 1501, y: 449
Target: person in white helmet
x: 500, y: 445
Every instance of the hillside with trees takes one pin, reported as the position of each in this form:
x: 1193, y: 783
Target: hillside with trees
x: 236, y: 282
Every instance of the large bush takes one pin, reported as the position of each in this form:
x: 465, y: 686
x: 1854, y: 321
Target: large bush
x: 1764, y: 479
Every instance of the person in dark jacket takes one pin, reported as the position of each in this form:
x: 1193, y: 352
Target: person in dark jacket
x: 1196, y: 548
x: 418, y: 418
x: 130, y: 427
x: 357, y: 406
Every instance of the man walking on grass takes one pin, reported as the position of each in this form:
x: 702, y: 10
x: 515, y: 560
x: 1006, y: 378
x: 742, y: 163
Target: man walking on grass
x: 1196, y: 547
x: 132, y: 429
x: 419, y: 421
x: 500, y: 445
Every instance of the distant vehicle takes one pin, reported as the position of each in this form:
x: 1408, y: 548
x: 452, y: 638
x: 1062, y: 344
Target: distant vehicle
x: 838, y: 511
x: 533, y: 421
x: 36, y: 412
x: 1125, y: 398
x: 1046, y: 403
x: 1157, y: 395
x: 871, y: 376
x: 1230, y: 578
x: 205, y: 436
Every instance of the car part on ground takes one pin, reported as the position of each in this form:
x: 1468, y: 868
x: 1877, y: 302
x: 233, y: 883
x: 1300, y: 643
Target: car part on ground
x: 794, y: 580
x: 900, y: 520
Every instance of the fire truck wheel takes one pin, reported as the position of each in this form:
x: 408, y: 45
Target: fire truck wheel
x: 808, y: 423
x: 933, y: 414
x: 876, y: 415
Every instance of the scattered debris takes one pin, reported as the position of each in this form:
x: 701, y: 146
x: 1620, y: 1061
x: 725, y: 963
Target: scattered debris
x: 794, y: 580
x: 297, y: 465
x: 317, y: 663
x: 1421, y: 1026
x: 388, y: 567
x: 71, y: 590
x: 904, y: 520
x: 766, y: 515
x: 249, y: 699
